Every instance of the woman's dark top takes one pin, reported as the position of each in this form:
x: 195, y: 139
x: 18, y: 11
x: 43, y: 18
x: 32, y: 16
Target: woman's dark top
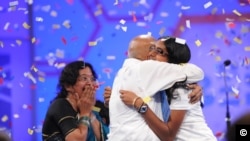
x: 61, y: 119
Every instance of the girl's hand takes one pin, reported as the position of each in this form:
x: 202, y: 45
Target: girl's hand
x: 128, y: 97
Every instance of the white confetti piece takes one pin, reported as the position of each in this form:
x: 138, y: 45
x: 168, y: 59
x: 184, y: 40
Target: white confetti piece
x: 122, y: 21
x: 180, y: 41
x: 124, y: 28
x: 111, y: 57
x: 13, y: 3
x: 188, y: 25
x: 208, y: 4
x: 185, y: 7
x: 6, y: 26
x: 236, y: 12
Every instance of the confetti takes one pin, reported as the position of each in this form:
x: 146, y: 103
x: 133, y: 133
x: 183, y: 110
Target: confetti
x: 238, y: 79
x: 122, y: 21
x: 124, y: 28
x: 247, y: 48
x: 30, y: 76
x: 188, y: 25
x: 162, y: 31
x: 134, y: 17
x: 64, y: 40
x: 116, y: 2
x: 41, y: 79
x: 180, y: 41
x: 1, y: 44
x: 56, y: 26
x: 237, y: 40
x: 198, y: 43
x: 41, y: 99
x: 98, y: 12
x: 231, y: 25
x: 26, y: 26
x: 236, y: 12
x: 33, y: 40
x: 39, y: 19
x: 66, y: 24
x: 185, y: 7
x: 235, y: 90
x: 19, y: 42
x: 146, y: 99
x: 4, y: 118
x: 208, y: 4
x: 59, y: 53
x: 71, y: 2
x: 214, y: 10
x: 97, y: 109
x: 92, y: 43
x: 53, y: 13
x: 30, y: 131
x: 110, y: 57
x: 34, y: 68
x: 6, y: 26
x: 13, y: 3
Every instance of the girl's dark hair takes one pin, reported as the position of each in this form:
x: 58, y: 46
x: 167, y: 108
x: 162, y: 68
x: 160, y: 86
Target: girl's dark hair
x: 69, y: 75
x: 177, y: 53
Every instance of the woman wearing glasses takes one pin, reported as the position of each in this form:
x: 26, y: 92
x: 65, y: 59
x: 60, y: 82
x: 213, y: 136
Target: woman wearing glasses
x: 70, y: 116
x: 186, y: 121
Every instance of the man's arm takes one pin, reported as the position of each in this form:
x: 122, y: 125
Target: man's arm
x: 156, y: 76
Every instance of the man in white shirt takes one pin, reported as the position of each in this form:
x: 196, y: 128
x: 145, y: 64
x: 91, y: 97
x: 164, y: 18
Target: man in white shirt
x: 145, y: 78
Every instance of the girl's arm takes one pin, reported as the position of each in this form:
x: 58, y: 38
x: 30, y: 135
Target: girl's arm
x: 165, y: 131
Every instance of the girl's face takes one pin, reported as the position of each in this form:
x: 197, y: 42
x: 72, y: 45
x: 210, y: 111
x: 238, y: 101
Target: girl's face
x: 85, y: 78
x: 158, y: 52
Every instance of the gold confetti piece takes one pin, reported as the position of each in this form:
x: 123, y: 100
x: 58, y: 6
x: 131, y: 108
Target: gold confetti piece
x: 218, y: 58
x: 247, y: 48
x: 19, y: 42
x: 59, y: 53
x: 146, y: 99
x: 92, y: 43
x: 4, y: 118
x: 208, y: 4
x: 218, y: 34
x: 237, y: 40
x: 41, y: 79
x: 98, y: 12
x: 214, y: 10
x: 97, y: 109
x: 66, y: 23
x: 236, y: 12
x: 188, y: 25
x: 55, y: 26
x: 198, y: 43
x: 162, y: 31
x: 33, y: 40
x: 30, y: 131
x: 13, y: 3
x: 53, y: 13
x: 26, y: 26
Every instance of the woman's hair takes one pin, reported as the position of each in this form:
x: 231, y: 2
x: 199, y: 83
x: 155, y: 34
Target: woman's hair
x: 177, y: 53
x: 69, y: 76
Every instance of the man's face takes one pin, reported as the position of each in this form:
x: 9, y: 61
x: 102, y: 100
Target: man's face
x: 157, y: 51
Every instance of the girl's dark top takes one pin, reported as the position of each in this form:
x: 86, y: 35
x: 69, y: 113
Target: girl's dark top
x: 61, y: 119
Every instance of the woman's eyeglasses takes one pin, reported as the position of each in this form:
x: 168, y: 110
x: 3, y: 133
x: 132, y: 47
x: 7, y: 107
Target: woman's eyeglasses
x: 85, y: 78
x: 158, y: 50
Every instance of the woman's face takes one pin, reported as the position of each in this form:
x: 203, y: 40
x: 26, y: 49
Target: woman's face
x: 85, y: 78
x: 158, y: 52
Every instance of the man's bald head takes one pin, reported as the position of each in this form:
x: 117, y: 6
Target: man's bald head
x: 139, y: 47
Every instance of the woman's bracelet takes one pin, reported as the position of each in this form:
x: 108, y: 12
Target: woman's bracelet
x: 134, y: 100
x: 93, y: 117
x: 84, y: 120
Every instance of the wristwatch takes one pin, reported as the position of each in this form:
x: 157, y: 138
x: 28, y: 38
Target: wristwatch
x: 143, y: 108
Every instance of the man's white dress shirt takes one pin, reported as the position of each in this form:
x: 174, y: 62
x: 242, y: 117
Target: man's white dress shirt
x: 145, y: 78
